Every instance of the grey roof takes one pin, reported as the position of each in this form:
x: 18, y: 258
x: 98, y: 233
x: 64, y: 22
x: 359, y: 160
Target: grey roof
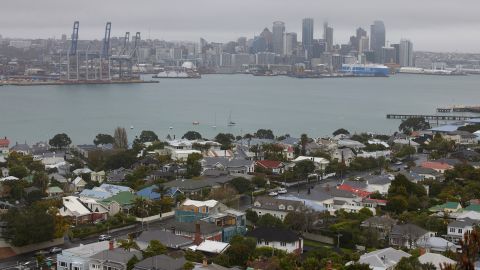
x: 290, y: 141
x: 161, y: 262
x: 197, y: 184
x: 463, y: 134
x: 254, y: 141
x: 462, y: 223
x: 376, y: 221
x: 270, y: 203
x: 118, y: 255
x: 20, y: 147
x: 408, y: 229
x: 449, y: 161
x: 236, y: 162
x: 315, y: 195
x: 422, y: 170
x: 383, y: 258
x: 205, y: 227
x: 379, y: 180
x: 273, y: 234
x: 168, y: 239
x: 356, y: 184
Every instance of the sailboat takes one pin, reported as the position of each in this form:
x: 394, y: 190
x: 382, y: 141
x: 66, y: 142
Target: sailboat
x: 230, y: 122
x: 215, y: 123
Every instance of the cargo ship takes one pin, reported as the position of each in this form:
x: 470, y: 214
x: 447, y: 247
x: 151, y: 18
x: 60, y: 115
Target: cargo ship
x: 365, y: 70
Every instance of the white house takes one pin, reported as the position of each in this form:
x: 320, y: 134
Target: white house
x: 436, y: 259
x: 456, y: 229
x: 277, y: 238
x: 78, y: 184
x: 98, y: 176
x: 383, y: 259
x: 180, y: 154
x: 78, y: 258
x: 276, y: 207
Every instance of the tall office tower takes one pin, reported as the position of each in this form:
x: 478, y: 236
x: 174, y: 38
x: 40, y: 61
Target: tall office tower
x: 319, y: 47
x: 355, y: 40
x: 307, y: 36
x: 278, y: 31
x: 406, y: 53
x: 363, y: 44
x: 268, y: 37
x: 387, y: 55
x: 290, y: 43
x: 328, y: 36
x: 377, y: 39
x: 397, y: 52
x: 361, y: 33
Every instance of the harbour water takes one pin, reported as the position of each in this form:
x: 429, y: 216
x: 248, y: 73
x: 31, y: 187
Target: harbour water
x: 285, y: 105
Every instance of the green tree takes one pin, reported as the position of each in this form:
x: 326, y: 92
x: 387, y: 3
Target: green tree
x: 413, y: 124
x: 147, y: 136
x: 18, y: 171
x: 269, y: 221
x: 241, y: 248
x: 121, y: 139
x: 264, y: 134
x: 103, y: 139
x: 60, y: 141
x: 154, y: 248
x: 225, y: 139
x: 303, y: 142
x: 358, y: 266
x: 194, y: 168
x: 242, y: 185
x: 405, y: 151
x: 303, y: 168
x: 259, y: 181
x: 192, y: 135
x: 295, y: 220
x: 311, y: 263
x: 252, y: 216
x: 188, y: 266
x: 128, y: 244
x: 131, y: 263
x: 412, y: 263
x: 341, y: 131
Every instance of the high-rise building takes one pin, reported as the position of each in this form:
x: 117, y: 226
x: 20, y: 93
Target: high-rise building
x: 290, y: 43
x: 355, y: 40
x: 328, y: 36
x: 278, y: 31
x: 307, y: 35
x: 397, y: 52
x: 406, y: 53
x: 318, y: 48
x: 387, y: 55
x: 268, y: 37
x: 363, y: 44
x: 377, y: 39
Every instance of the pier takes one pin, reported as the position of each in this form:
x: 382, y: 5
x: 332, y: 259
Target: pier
x: 460, y: 108
x: 430, y: 117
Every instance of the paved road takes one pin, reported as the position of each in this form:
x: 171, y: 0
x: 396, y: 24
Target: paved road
x: 12, y: 262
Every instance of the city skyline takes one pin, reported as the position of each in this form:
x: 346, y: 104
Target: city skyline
x: 426, y: 23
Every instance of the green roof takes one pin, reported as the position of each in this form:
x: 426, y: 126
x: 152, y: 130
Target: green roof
x: 447, y: 205
x: 54, y: 190
x: 473, y: 207
x: 123, y: 198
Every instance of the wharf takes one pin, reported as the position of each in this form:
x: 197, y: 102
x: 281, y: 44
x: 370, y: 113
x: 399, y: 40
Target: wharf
x: 430, y: 117
x: 461, y: 108
x: 72, y: 82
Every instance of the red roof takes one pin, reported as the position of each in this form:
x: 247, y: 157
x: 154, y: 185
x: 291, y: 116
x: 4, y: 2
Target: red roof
x: 359, y: 192
x: 436, y: 165
x: 4, y: 142
x: 270, y: 164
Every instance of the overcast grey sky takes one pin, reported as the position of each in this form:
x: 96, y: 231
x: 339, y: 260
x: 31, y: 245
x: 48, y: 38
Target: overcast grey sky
x: 434, y: 25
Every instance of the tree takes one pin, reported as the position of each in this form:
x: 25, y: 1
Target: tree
x: 269, y: 221
x: 103, y: 139
x: 240, y: 250
x: 194, y: 168
x: 60, y: 141
x: 131, y: 263
x: 225, y: 139
x: 147, y: 136
x: 259, y: 181
x: 188, y: 266
x: 154, y: 248
x: 311, y: 263
x: 303, y: 168
x: 413, y: 124
x: 265, y: 134
x: 295, y: 220
x: 128, y: 244
x: 18, y: 171
x: 28, y: 225
x: 412, y: 263
x: 242, y: 185
x: 121, y: 139
x: 192, y: 135
x: 341, y: 131
x: 252, y: 216
x: 358, y: 266
x: 303, y: 142
x: 405, y: 151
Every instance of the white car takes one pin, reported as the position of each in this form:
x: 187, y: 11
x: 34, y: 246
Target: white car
x: 282, y: 191
x: 273, y: 193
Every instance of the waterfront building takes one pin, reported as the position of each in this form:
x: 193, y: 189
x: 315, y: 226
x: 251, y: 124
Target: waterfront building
x: 377, y: 39
x: 387, y: 55
x: 265, y: 58
x: 406, y: 53
x: 397, y: 52
x: 290, y: 43
x: 363, y: 44
x: 307, y: 36
x: 268, y: 38
x: 226, y: 59
x: 278, y: 31
x: 318, y: 48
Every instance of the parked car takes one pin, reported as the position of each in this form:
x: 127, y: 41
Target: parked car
x: 282, y: 191
x: 273, y: 193
x: 55, y: 250
x: 104, y: 237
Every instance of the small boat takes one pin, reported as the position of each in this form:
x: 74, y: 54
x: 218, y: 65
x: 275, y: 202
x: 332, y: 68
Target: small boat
x: 170, y: 127
x: 196, y: 123
x: 131, y: 127
x: 230, y: 122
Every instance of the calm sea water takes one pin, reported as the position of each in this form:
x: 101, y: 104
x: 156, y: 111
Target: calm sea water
x: 285, y: 105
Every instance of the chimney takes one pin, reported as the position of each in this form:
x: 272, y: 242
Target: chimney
x: 198, y: 239
x: 205, y: 262
x: 110, y: 245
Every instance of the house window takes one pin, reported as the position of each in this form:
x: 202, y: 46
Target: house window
x: 259, y: 242
x: 76, y: 268
x: 452, y: 230
x: 283, y: 244
x: 266, y: 243
x: 459, y: 230
x: 63, y: 264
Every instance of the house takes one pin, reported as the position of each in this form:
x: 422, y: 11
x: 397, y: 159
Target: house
x: 98, y: 176
x: 78, y: 258
x: 383, y: 259
x: 81, y: 171
x: 197, y: 231
x: 438, y: 260
x: 440, y: 167
x: 456, y: 229
x: 234, y: 165
x: 211, y: 247
x: 124, y: 199
x: 118, y: 175
x: 382, y: 224
x: 195, y: 186
x: 379, y: 183
x: 79, y: 212
x: 437, y: 245
x: 182, y: 155
x: 54, y: 192
x: 354, y: 145
x: 427, y: 173
x: 168, y: 239
x: 23, y: 148
x: 270, y: 166
x: 4, y: 144
x: 407, y: 235
x: 277, y: 238
x: 461, y: 137
x: 448, y: 207
x: 78, y: 184
x: 467, y: 155
x: 276, y: 207
x: 345, y: 155
x: 161, y: 262
x: 320, y: 163
x: 193, y: 210
x: 113, y: 258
